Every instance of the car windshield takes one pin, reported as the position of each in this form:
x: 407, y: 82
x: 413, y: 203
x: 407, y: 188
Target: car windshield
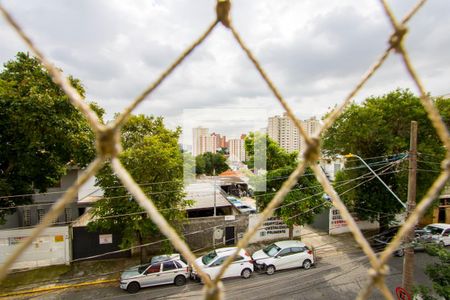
x: 271, y: 250
x: 206, y: 259
x: 143, y: 268
x: 433, y: 230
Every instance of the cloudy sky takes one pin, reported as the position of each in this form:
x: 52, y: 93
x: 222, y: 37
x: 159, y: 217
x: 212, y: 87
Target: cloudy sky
x: 315, y: 51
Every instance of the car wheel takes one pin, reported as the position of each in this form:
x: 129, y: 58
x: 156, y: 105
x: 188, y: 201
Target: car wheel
x: 246, y: 273
x: 270, y: 270
x: 307, y: 264
x: 442, y: 244
x: 400, y: 252
x: 180, y: 280
x: 133, y: 287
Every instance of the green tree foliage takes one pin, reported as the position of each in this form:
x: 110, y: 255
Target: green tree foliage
x: 276, y: 157
x: 380, y: 127
x: 41, y: 133
x: 152, y: 156
x: 209, y: 163
x: 438, y: 272
x: 304, y: 201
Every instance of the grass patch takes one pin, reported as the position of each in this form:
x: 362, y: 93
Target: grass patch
x: 36, y: 276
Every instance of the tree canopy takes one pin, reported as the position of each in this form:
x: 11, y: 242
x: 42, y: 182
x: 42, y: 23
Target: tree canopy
x: 378, y: 130
x: 210, y: 163
x: 41, y: 133
x: 304, y: 201
x: 152, y: 156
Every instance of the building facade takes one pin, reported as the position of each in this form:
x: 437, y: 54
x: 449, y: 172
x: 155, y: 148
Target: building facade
x: 237, y: 149
x: 282, y: 130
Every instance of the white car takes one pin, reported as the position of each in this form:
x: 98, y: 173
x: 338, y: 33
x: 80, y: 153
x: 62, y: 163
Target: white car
x: 213, y: 261
x: 438, y: 233
x: 283, y: 255
x: 170, y: 271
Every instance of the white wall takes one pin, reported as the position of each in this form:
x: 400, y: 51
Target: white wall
x: 272, y: 229
x: 89, y: 188
x: 338, y: 225
x: 51, y: 248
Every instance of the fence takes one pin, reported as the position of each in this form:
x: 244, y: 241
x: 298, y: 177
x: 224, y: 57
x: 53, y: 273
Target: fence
x: 51, y: 247
x: 108, y: 149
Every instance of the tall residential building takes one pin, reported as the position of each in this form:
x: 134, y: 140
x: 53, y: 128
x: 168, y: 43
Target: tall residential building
x: 282, y: 130
x: 237, y: 149
x: 312, y: 126
x: 197, y: 134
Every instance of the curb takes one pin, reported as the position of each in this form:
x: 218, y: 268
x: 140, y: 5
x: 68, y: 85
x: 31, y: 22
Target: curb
x: 57, y: 287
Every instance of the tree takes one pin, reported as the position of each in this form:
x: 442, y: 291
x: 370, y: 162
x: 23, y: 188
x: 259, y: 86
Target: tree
x: 438, y: 272
x: 380, y: 127
x: 303, y: 202
x: 152, y: 156
x: 276, y: 157
x: 210, y: 163
x: 41, y: 133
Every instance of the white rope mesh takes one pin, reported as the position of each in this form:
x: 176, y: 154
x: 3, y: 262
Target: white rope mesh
x: 108, y: 148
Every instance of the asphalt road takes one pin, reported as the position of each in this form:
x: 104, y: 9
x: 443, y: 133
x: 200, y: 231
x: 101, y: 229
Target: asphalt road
x: 333, y: 277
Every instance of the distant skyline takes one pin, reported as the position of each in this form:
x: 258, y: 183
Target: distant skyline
x: 314, y: 51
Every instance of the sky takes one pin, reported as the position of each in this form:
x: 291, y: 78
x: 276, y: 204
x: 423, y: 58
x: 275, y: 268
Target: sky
x: 314, y: 51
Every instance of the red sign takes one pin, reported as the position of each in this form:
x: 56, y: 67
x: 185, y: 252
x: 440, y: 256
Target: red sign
x: 402, y: 294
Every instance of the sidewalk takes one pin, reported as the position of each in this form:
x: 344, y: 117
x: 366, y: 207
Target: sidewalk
x: 107, y: 271
x: 328, y: 245
x: 62, y: 276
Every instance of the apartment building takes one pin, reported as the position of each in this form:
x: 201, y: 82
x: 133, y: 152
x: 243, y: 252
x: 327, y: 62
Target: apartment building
x: 283, y: 130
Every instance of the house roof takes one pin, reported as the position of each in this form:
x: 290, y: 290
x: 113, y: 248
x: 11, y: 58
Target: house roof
x: 203, y: 195
x: 230, y: 173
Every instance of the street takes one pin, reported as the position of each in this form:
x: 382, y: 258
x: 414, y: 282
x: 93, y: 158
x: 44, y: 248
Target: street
x: 337, y: 277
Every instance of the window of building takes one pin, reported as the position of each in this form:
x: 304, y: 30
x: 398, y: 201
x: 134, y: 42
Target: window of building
x: 68, y: 214
x: 40, y: 214
x: 26, y: 217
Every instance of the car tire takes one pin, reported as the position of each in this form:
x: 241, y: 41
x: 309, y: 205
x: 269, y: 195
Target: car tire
x: 400, y: 252
x: 270, y: 270
x: 179, y: 280
x: 442, y: 244
x: 246, y: 273
x: 133, y: 287
x: 307, y: 264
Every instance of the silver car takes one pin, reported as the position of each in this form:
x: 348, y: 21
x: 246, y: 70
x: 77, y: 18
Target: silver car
x: 173, y: 271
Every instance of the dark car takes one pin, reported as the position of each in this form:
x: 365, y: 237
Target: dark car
x: 381, y: 240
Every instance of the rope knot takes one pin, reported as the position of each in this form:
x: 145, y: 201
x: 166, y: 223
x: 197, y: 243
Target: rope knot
x: 312, y: 152
x: 108, y: 142
x: 378, y: 275
x: 223, y: 12
x: 397, y: 38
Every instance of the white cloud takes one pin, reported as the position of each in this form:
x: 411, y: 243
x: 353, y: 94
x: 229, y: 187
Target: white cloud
x: 315, y: 51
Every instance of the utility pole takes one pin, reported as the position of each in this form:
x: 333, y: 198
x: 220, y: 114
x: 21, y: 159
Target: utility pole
x: 408, y: 260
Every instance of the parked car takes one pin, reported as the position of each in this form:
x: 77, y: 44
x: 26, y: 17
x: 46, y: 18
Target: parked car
x: 438, y: 233
x: 283, y: 255
x: 245, y: 209
x: 163, y: 257
x: 381, y: 240
x: 213, y: 261
x: 169, y: 271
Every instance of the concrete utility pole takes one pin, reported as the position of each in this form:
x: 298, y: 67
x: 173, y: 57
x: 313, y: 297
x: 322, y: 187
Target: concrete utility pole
x: 408, y: 260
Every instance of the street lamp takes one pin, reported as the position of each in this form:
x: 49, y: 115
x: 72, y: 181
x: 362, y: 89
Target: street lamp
x: 376, y: 175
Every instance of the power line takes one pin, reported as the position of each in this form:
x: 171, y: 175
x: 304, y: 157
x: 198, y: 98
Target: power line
x: 169, y: 181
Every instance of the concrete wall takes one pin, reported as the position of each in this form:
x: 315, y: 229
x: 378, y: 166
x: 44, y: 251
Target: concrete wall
x: 338, y: 225
x: 52, y: 247
x: 204, y: 233
x: 272, y: 229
